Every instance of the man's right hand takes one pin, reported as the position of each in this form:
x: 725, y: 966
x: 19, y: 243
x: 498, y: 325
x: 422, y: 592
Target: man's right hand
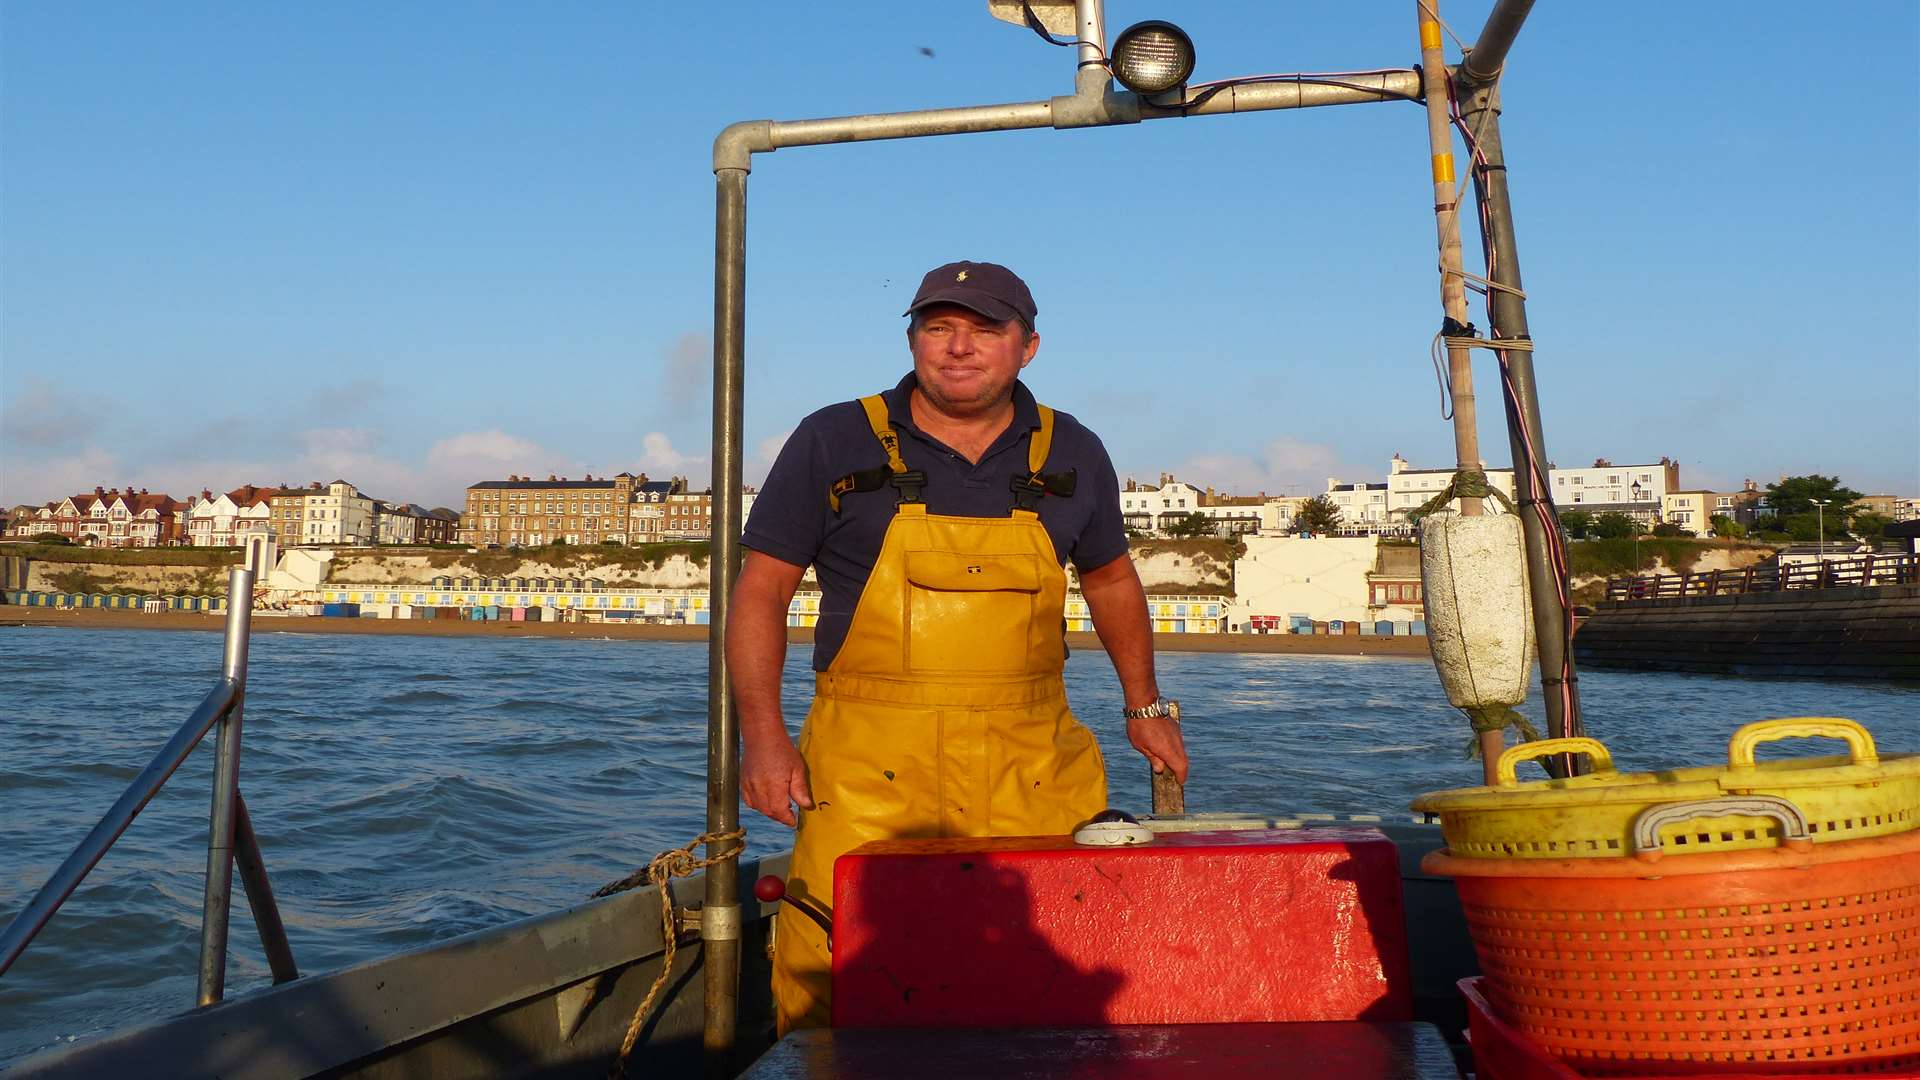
x: 773, y: 779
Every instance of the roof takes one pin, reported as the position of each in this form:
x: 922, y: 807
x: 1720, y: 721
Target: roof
x: 543, y: 484
x: 252, y: 494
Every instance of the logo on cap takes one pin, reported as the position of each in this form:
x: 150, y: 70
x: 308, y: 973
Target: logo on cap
x: 961, y: 276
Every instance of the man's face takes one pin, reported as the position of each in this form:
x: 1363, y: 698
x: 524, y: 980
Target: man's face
x: 966, y: 362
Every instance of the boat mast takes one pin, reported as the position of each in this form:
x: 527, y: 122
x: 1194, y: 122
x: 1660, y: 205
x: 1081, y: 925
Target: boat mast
x: 1476, y: 80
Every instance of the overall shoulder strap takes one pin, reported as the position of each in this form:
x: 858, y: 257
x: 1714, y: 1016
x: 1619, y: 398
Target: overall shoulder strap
x: 1028, y: 488
x: 1042, y: 442
x: 908, y: 482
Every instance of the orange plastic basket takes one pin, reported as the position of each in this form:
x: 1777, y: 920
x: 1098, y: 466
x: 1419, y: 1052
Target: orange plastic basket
x: 1798, y: 958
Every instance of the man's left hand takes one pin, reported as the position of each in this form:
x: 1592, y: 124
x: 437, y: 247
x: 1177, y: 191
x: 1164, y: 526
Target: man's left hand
x: 1158, y: 737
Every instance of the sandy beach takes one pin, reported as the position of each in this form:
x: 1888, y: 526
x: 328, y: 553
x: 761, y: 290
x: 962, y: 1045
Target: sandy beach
x: 264, y: 623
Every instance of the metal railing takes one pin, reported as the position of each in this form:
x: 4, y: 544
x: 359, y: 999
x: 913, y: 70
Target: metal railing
x: 230, y: 836
x: 1771, y: 577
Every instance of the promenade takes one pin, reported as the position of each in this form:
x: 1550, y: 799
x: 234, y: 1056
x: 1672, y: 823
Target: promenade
x: 264, y: 623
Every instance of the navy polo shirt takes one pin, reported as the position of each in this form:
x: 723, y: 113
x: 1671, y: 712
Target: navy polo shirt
x: 792, y: 521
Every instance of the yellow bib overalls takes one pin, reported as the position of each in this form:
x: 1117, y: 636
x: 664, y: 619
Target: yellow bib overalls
x: 943, y: 714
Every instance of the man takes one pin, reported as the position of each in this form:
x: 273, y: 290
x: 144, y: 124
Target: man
x: 938, y: 517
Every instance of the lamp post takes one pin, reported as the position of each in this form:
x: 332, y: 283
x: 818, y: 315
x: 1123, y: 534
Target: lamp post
x: 1820, y: 528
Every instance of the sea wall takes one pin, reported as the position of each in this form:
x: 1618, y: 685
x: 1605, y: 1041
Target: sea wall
x: 1860, y: 632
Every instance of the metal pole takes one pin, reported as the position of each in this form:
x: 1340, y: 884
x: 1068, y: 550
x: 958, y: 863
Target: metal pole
x: 1507, y: 309
x: 266, y: 913
x: 720, y: 911
x: 1090, y: 29
x: 93, y: 847
x: 226, y: 782
x: 1482, y: 65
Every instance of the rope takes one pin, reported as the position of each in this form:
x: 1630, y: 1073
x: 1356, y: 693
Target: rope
x: 1496, y: 718
x: 1466, y: 484
x: 1496, y: 344
x: 678, y: 862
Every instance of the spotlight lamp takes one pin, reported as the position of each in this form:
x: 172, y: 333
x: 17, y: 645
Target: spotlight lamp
x: 1152, y: 57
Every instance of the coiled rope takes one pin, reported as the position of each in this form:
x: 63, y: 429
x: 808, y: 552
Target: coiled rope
x: 1465, y: 484
x: 664, y: 867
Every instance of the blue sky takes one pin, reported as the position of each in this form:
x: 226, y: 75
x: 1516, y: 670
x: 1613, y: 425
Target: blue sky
x: 420, y: 245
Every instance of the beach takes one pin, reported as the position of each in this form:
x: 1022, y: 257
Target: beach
x: 269, y: 623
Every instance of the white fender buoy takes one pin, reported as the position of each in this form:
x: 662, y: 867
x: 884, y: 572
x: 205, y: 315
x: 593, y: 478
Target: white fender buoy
x: 1479, y: 616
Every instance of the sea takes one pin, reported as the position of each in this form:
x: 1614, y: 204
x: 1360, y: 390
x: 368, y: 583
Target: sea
x: 409, y: 789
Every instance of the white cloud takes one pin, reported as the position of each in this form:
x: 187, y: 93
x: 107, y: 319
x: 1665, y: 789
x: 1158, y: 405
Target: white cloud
x: 38, y: 415
x: 1281, y: 467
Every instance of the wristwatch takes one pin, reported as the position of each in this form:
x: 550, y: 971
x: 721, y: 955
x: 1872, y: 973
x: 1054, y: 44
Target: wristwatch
x: 1159, y: 707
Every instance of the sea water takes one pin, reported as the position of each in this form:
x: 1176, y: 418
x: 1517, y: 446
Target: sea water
x: 409, y: 789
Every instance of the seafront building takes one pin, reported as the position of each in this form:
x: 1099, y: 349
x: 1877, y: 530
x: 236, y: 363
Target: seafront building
x: 527, y: 512
x: 1385, y: 508
x: 106, y: 517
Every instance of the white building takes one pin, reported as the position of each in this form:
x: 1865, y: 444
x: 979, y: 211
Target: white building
x: 338, y: 514
x: 1151, y: 509
x: 1319, y: 578
x: 1638, y: 491
x: 1362, y: 506
x: 226, y: 519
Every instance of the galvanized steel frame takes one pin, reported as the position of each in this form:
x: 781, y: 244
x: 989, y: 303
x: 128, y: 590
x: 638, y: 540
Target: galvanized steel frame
x: 1094, y: 104
x: 229, y: 834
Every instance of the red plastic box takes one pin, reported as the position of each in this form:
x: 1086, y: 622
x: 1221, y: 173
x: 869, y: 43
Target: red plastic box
x: 1212, y: 927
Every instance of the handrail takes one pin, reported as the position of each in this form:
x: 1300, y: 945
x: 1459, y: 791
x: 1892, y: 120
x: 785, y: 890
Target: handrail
x: 1874, y: 569
x: 222, y: 705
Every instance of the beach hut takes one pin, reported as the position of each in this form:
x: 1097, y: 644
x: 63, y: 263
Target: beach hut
x: 1383, y: 628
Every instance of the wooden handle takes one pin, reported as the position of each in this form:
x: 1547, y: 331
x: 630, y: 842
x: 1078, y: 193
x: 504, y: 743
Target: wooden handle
x: 1169, y: 794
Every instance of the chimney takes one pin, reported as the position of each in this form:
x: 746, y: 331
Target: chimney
x: 98, y: 490
x: 551, y: 478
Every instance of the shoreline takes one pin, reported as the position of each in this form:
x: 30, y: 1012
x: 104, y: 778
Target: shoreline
x: 120, y: 619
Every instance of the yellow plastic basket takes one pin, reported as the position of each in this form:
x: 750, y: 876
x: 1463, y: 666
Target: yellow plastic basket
x: 1843, y: 797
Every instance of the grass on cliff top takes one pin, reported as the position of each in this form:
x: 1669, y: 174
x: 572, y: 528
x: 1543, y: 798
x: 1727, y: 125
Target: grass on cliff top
x: 161, y: 556
x: 1616, y: 558
x: 1202, y: 550
x: 582, y: 556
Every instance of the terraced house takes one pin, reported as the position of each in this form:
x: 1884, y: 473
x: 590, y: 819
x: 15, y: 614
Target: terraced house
x: 108, y: 517
x: 521, y: 510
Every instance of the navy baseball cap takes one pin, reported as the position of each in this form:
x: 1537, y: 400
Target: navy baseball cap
x: 987, y: 288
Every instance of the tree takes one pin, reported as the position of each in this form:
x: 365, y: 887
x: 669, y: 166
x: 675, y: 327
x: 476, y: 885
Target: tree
x: 1669, y: 529
x: 1870, y: 525
x: 1614, y: 525
x: 1795, y: 495
x: 1191, y: 526
x: 1317, y: 516
x: 1729, y: 528
x: 1578, y: 523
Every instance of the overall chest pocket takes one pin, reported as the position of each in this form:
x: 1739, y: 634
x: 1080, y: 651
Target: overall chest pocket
x: 970, y: 614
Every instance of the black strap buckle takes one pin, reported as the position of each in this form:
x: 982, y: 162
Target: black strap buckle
x: 1027, y: 490
x: 910, y: 484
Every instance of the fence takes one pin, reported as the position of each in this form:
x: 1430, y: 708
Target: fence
x: 1771, y: 577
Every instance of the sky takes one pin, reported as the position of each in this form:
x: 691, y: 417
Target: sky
x: 420, y: 245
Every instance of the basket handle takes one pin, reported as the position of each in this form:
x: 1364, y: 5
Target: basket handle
x: 1507, y: 769
x: 1859, y: 743
x: 1646, y: 827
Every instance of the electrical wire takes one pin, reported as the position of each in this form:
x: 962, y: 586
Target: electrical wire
x: 1480, y: 170
x: 1207, y: 90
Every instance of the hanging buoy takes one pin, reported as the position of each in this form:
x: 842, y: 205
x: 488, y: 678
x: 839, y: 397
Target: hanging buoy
x: 1479, y: 619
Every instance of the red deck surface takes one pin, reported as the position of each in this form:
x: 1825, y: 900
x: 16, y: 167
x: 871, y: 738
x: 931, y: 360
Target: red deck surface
x: 1222, y: 927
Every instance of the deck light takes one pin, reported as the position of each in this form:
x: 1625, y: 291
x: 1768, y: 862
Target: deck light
x: 1152, y: 57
